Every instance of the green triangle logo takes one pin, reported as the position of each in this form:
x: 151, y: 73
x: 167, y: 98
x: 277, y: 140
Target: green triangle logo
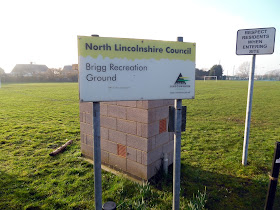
x: 181, y: 80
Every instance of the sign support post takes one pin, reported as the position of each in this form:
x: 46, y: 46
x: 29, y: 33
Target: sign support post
x: 177, y: 155
x: 97, y: 156
x: 273, y: 178
x: 177, y: 151
x: 248, y: 112
x: 114, y: 69
x: 256, y: 41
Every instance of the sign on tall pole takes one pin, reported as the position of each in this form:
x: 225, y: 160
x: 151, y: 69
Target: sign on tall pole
x: 177, y: 151
x: 116, y: 69
x: 257, y: 41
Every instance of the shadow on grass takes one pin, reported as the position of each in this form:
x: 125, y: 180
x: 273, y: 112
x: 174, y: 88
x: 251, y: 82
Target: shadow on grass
x: 223, y: 191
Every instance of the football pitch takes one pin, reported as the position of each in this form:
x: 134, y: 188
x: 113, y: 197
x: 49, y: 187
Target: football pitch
x: 36, y: 118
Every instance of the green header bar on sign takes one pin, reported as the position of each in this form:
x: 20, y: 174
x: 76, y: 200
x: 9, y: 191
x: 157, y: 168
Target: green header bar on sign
x: 135, y: 48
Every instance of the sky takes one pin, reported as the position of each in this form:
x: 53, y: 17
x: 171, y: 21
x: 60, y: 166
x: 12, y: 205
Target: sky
x: 45, y: 31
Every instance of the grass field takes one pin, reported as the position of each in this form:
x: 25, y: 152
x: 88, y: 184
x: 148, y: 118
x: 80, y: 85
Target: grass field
x: 37, y: 118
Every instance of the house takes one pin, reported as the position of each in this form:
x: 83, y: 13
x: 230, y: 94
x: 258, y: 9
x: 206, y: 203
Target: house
x: 29, y: 69
x: 68, y: 69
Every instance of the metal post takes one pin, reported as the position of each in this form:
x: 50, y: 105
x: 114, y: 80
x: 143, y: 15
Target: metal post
x: 248, y: 112
x: 97, y: 153
x: 165, y: 163
x: 273, y: 178
x: 177, y: 151
x: 177, y: 155
x: 97, y: 156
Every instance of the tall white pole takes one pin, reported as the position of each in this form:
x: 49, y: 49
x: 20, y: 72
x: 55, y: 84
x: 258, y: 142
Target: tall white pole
x: 248, y: 112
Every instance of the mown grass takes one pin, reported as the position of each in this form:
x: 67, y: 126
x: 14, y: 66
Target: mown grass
x: 37, y: 118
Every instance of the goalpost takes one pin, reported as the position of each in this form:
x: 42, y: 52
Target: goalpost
x: 215, y: 77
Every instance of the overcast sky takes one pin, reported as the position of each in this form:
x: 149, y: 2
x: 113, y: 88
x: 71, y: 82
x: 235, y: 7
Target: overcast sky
x: 45, y: 31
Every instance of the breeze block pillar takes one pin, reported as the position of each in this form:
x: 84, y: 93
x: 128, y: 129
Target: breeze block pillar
x: 134, y: 135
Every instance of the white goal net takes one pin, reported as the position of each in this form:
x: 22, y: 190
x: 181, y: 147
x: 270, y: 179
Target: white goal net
x: 210, y: 78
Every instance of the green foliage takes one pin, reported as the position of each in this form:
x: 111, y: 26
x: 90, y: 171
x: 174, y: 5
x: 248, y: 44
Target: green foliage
x: 37, y: 118
x: 216, y: 70
x: 199, y: 74
x: 198, y: 202
x: 143, y: 200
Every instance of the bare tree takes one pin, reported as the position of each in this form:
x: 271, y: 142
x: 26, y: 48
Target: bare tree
x: 244, y: 69
x: 54, y: 71
x: 273, y: 75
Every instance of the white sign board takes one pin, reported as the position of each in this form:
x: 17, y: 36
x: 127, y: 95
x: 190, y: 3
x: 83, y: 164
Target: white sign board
x: 115, y: 69
x: 257, y: 41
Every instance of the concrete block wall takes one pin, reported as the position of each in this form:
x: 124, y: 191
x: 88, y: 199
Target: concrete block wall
x: 134, y: 135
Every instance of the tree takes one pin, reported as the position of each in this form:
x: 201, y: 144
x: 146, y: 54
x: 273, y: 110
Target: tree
x: 273, y: 75
x: 2, y: 72
x: 216, y: 70
x: 199, y: 74
x: 244, y: 70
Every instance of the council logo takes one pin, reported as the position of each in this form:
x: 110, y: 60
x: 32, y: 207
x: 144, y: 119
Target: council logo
x: 180, y: 82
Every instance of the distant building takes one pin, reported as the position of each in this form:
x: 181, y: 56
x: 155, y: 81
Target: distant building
x: 68, y: 69
x: 75, y: 67
x: 29, y: 69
